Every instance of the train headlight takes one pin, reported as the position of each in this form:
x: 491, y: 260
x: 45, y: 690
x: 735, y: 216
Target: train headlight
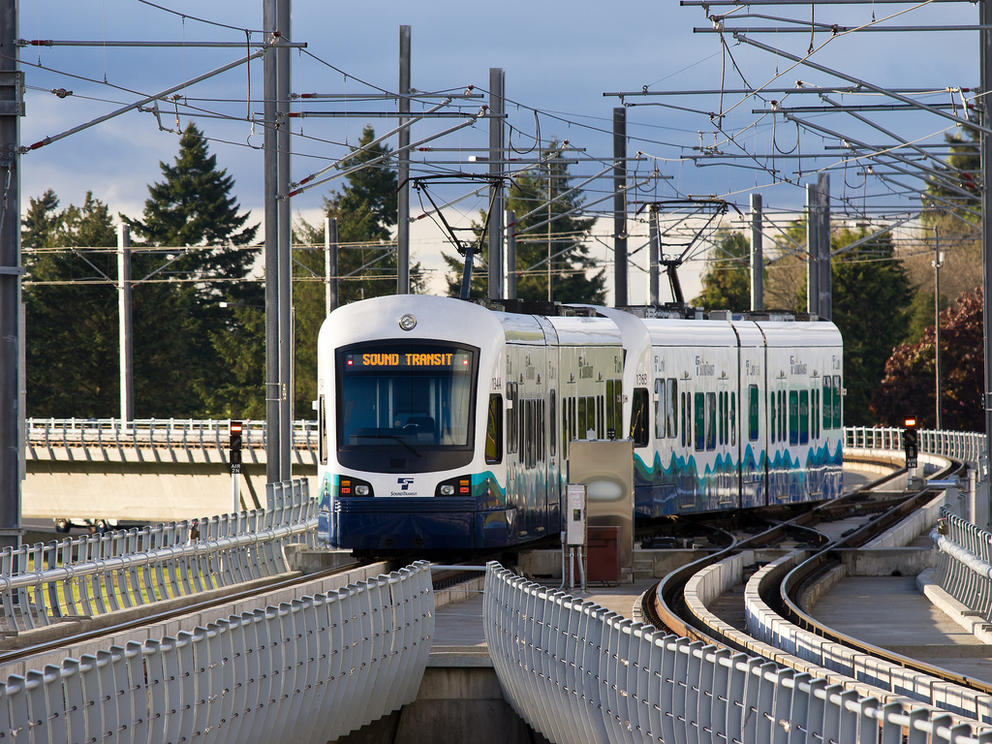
x: 350, y: 487
x: 408, y: 322
x: 454, y: 487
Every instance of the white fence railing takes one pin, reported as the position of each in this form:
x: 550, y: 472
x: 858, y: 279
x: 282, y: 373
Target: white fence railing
x: 966, y: 446
x: 579, y: 673
x: 47, y: 583
x: 964, y: 562
x: 178, y: 433
x: 310, y: 670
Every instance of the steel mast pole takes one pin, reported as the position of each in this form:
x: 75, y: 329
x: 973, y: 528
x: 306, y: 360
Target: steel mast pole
x: 403, y: 171
x: 654, y: 256
x: 125, y: 324
x: 287, y: 347
x: 757, y: 258
x: 985, y: 59
x: 270, y: 187
x: 812, y: 250
x: 11, y: 413
x: 619, y: 207
x: 497, y: 167
x: 937, y: 263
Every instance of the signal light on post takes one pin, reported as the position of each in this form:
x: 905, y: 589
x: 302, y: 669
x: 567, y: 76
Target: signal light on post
x: 910, y: 442
x: 234, y: 442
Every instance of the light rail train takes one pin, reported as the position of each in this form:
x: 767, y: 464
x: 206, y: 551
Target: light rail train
x: 446, y: 425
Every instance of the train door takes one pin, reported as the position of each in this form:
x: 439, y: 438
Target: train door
x: 553, y: 473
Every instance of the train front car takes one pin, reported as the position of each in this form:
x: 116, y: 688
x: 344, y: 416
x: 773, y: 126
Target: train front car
x: 409, y: 448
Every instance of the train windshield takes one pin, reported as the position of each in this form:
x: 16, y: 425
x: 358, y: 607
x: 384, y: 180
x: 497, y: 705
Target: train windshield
x: 405, y: 407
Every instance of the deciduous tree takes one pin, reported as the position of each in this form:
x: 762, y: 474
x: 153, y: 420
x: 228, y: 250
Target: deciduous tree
x: 909, y: 387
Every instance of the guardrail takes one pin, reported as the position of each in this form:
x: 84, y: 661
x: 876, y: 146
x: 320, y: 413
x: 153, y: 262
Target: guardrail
x: 966, y: 446
x: 51, y: 582
x: 185, y: 433
x: 310, y: 670
x: 579, y: 673
x: 964, y: 562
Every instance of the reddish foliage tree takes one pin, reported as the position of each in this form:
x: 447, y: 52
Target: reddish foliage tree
x: 907, y: 389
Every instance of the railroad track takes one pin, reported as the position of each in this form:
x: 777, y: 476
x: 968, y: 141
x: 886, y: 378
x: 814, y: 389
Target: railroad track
x: 178, y: 608
x: 785, y: 582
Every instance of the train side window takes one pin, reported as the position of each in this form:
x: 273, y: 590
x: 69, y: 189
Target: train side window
x: 494, y: 430
x: 610, y: 423
x: 793, y: 417
x: 773, y: 416
x: 752, y: 413
x: 659, y: 408
x: 812, y: 413
x: 614, y: 406
x: 600, y: 416
x: 582, y: 418
x: 529, y: 432
x: 564, y: 426
x: 552, y: 423
x: 672, y: 418
x: 710, y: 421
x: 827, y: 402
x: 321, y: 430
x: 639, y: 417
x: 700, y: 420
x: 511, y: 421
x: 685, y: 419
x: 803, y: 416
x: 838, y: 399
x: 723, y: 417
x: 782, y: 435
x: 733, y: 419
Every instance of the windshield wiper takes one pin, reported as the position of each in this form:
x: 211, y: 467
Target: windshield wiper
x: 389, y: 436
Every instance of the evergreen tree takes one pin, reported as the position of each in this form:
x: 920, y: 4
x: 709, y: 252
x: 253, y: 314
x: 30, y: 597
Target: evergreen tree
x: 193, y: 206
x: 552, y: 230
x: 365, y: 209
x: 71, y: 322
x: 73, y: 357
x: 871, y: 297
x: 727, y: 281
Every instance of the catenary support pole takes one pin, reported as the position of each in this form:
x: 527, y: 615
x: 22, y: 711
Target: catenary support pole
x: 985, y: 60
x: 757, y: 259
x: 330, y: 264
x: 271, y: 204
x: 654, y: 254
x: 124, y: 322
x: 812, y: 250
x: 403, y: 171
x: 11, y: 86
x: 823, y: 234
x: 287, y: 347
x: 497, y: 167
x: 620, y: 206
x: 937, y: 263
x: 511, y: 255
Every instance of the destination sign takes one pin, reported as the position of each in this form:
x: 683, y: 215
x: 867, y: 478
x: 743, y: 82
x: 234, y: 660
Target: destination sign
x: 408, y: 359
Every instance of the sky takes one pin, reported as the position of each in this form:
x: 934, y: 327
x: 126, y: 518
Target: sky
x: 559, y: 58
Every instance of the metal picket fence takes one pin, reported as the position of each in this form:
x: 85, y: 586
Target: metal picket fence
x: 577, y: 672
x: 966, y: 446
x: 964, y: 562
x: 177, y: 433
x: 310, y: 670
x: 51, y: 582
